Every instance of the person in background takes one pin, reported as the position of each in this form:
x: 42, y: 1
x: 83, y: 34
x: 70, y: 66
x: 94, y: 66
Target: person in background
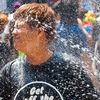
x: 4, y: 43
x: 16, y: 5
x: 70, y: 37
x: 42, y: 73
x: 9, y: 28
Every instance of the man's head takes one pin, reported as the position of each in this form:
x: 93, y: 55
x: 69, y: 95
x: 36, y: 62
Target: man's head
x: 34, y: 17
x: 3, y: 21
x: 38, y: 15
x: 68, y: 10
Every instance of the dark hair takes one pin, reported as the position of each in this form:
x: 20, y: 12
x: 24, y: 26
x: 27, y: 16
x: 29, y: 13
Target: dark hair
x: 34, y: 1
x: 38, y: 15
x: 68, y: 11
x: 82, y: 13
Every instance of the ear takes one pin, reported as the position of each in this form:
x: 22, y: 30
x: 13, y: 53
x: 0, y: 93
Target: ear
x: 40, y: 32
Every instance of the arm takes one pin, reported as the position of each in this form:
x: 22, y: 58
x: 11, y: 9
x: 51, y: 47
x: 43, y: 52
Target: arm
x: 88, y: 36
x: 88, y: 65
x: 80, y: 23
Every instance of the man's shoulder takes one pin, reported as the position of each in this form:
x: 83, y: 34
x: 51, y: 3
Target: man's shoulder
x: 65, y: 57
x: 70, y: 64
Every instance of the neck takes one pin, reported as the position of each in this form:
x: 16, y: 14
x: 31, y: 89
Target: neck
x: 39, y: 57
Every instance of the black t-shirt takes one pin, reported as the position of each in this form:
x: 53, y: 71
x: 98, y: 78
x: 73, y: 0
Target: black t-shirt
x: 59, y: 78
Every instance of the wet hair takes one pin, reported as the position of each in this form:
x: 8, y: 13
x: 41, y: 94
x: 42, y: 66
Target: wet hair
x: 38, y: 15
x: 3, y: 21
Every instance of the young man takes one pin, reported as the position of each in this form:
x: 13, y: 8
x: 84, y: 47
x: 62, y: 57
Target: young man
x: 42, y: 74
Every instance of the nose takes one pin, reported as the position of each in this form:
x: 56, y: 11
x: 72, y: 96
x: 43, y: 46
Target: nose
x: 14, y: 32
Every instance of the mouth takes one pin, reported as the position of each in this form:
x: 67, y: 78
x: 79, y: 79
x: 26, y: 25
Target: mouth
x: 15, y: 37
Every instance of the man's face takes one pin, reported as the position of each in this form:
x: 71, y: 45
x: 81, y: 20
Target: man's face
x: 22, y: 35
